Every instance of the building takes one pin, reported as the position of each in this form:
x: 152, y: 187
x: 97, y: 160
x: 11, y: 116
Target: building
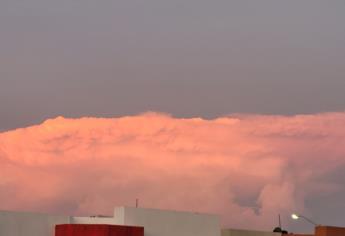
x: 160, y: 222
x: 325, y: 231
x: 155, y: 223
x: 98, y: 230
x: 242, y: 232
x: 29, y: 224
x: 129, y: 221
x: 329, y: 231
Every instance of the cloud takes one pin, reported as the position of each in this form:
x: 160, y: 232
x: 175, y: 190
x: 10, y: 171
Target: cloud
x: 247, y: 168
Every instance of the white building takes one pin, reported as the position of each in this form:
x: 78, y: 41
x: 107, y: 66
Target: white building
x: 160, y: 222
x: 155, y: 223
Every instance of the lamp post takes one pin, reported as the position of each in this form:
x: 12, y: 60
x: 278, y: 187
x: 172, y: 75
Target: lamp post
x: 296, y: 217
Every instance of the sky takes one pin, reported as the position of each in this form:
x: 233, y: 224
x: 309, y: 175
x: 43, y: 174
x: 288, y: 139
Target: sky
x: 230, y: 85
x: 188, y: 58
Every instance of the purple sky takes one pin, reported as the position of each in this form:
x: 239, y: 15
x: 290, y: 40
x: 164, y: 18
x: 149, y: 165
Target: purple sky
x: 187, y: 58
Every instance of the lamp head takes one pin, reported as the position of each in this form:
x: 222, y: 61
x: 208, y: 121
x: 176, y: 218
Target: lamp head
x: 295, y: 216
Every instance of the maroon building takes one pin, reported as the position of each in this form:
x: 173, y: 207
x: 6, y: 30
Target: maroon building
x: 97, y: 230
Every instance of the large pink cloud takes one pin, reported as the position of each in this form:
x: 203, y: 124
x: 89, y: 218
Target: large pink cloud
x: 247, y: 168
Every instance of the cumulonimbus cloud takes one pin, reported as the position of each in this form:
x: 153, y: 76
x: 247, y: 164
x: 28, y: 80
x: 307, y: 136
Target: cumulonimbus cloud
x: 247, y: 168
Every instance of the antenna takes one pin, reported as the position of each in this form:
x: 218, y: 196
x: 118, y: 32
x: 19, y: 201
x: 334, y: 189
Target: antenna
x: 136, y: 203
x: 279, y: 228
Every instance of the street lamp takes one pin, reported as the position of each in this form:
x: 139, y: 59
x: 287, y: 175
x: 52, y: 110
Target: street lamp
x: 297, y: 216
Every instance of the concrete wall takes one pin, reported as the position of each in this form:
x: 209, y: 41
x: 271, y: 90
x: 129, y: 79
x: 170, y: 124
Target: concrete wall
x: 29, y: 224
x: 169, y: 223
x: 240, y: 232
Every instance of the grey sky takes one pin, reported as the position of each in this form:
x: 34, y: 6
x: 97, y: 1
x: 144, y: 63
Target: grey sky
x: 188, y: 58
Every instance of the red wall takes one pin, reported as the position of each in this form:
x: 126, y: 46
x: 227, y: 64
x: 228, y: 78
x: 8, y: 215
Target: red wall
x: 97, y: 230
x: 329, y: 231
x: 326, y: 231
